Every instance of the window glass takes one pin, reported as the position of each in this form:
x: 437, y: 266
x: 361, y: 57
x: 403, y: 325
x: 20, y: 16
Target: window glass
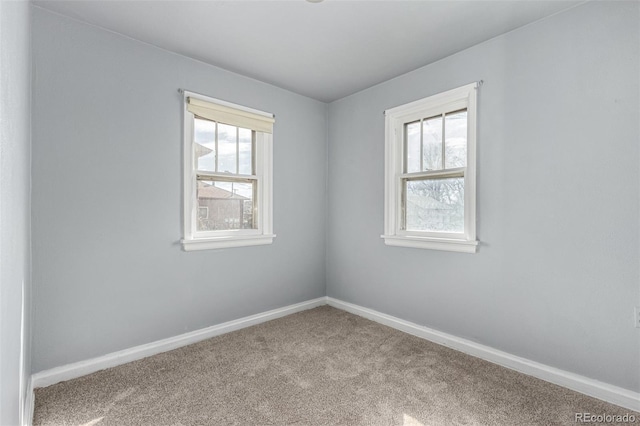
x: 245, y: 151
x: 435, y: 205
x: 455, y: 152
x: 432, y: 144
x: 227, y: 148
x: 412, y: 132
x: 205, y: 144
x: 229, y: 205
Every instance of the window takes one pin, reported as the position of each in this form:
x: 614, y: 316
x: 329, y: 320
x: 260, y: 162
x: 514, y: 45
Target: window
x: 430, y: 160
x: 203, y: 213
x: 227, y: 174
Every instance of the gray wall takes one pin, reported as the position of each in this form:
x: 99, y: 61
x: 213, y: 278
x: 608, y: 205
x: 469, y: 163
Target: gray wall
x: 556, y: 276
x: 15, y: 150
x: 109, y: 272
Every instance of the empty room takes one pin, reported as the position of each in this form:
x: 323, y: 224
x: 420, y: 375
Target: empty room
x: 319, y: 212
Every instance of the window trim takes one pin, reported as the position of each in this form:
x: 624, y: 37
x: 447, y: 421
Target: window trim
x: 395, y: 119
x: 206, y: 240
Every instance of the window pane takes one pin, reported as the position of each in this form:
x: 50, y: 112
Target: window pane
x: 228, y: 205
x: 455, y: 146
x: 412, y: 159
x: 227, y: 148
x: 245, y: 162
x: 435, y: 205
x: 205, y: 144
x: 432, y: 144
x: 203, y: 212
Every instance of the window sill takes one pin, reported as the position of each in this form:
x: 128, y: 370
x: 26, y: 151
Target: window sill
x: 445, y: 244
x: 226, y: 242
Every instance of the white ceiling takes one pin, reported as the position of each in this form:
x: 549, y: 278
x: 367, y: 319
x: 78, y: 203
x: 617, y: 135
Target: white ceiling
x: 322, y: 50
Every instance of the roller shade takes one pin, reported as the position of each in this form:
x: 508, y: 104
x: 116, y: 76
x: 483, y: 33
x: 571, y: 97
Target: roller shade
x: 231, y: 116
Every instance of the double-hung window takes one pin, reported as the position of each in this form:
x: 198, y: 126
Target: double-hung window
x: 227, y: 174
x: 430, y: 159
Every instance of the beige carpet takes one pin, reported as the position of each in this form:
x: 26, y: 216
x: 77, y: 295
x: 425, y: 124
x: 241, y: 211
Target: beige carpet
x: 318, y: 367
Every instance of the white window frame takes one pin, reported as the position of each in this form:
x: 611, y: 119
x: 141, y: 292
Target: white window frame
x: 395, y: 120
x: 206, y: 240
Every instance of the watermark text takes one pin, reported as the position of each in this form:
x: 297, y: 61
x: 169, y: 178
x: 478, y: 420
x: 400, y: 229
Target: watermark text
x: 604, y: 418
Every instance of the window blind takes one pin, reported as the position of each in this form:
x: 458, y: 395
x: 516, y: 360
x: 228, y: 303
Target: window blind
x: 231, y: 116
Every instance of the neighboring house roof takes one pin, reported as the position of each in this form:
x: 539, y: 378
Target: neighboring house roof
x: 213, y: 192
x: 202, y: 150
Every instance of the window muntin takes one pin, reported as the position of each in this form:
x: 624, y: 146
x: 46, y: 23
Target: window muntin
x: 430, y: 172
x: 227, y: 174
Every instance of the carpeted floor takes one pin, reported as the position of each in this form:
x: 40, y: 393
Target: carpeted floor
x: 318, y: 367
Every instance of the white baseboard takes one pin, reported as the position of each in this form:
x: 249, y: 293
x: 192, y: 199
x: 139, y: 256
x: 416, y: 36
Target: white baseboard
x: 27, y: 409
x: 82, y: 368
x: 606, y: 392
